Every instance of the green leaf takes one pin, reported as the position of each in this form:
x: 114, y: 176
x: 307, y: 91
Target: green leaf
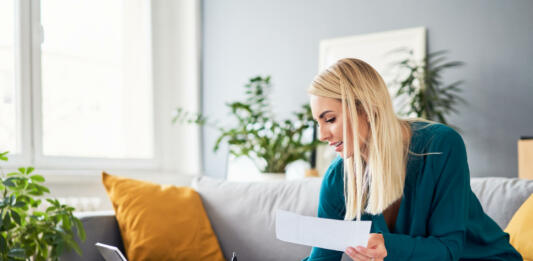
x: 20, y: 204
x: 35, y: 192
x: 3, y: 155
x: 22, y: 170
x: 12, y: 200
x: 56, y: 251
x: 37, y: 178
x: 16, y: 217
x: 79, y: 228
x: 30, y: 170
x: 17, y: 253
x: 10, y: 182
x: 72, y: 244
x: 7, y: 224
x: 38, y: 189
x: 54, y: 202
x: 21, y: 183
x: 11, y: 174
x: 36, y: 203
x: 3, y: 244
x: 66, y: 222
x: 38, y: 213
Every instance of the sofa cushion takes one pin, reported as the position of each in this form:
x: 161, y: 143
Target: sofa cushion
x: 520, y: 229
x: 501, y: 197
x: 161, y: 222
x: 243, y: 215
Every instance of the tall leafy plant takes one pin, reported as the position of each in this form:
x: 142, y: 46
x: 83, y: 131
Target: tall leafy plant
x: 27, y: 232
x: 422, y: 88
x: 256, y: 134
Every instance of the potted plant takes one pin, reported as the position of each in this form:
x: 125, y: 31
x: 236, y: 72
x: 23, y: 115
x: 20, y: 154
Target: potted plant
x: 420, y: 90
x: 26, y: 232
x: 256, y: 134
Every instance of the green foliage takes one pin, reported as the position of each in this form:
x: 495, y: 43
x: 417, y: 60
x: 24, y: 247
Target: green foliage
x: 427, y: 96
x: 271, y: 144
x: 27, y: 233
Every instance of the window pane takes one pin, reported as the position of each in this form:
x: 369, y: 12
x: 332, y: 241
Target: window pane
x: 96, y: 79
x: 8, y: 94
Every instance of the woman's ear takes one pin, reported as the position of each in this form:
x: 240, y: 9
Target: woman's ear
x: 363, y: 115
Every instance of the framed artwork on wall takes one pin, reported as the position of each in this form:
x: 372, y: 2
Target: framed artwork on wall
x: 377, y: 49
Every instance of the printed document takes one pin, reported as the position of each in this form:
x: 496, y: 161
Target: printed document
x: 321, y: 232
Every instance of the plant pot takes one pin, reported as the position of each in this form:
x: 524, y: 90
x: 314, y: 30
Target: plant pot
x: 243, y: 169
x: 269, y: 176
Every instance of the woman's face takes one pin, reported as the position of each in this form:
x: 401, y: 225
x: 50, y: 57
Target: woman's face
x: 328, y: 114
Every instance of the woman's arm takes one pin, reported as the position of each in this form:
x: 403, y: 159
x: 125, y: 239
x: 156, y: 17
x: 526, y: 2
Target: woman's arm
x: 330, y: 205
x: 446, y: 224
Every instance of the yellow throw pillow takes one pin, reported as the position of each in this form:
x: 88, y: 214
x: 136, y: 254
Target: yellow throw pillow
x: 520, y: 229
x: 161, y: 222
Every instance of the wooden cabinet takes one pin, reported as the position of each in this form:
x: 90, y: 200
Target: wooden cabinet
x: 525, y: 158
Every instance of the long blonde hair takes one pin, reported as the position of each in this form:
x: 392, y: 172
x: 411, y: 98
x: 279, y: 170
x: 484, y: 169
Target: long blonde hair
x: 362, y: 91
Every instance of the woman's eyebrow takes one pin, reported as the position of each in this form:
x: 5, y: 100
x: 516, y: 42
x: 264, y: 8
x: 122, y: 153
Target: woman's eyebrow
x: 323, y: 113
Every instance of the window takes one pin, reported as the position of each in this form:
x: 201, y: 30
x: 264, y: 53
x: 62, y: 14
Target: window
x: 96, y: 86
x: 9, y: 140
x: 76, y: 88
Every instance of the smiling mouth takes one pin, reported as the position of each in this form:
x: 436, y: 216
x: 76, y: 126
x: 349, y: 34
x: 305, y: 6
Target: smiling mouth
x: 337, y: 144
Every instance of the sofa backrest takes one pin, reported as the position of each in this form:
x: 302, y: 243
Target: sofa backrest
x: 501, y: 197
x: 243, y: 214
x: 100, y: 227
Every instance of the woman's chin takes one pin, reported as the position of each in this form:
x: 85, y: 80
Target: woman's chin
x: 341, y: 154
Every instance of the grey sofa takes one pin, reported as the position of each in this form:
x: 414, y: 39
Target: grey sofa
x: 242, y: 214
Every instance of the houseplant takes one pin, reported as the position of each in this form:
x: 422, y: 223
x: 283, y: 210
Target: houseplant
x: 26, y: 232
x: 420, y: 89
x: 256, y: 134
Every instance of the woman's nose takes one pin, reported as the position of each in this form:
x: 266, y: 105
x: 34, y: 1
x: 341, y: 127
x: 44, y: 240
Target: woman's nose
x: 322, y: 134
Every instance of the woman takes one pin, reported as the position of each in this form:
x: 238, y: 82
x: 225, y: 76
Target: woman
x: 409, y: 177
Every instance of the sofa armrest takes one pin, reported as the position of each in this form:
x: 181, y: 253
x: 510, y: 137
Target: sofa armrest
x: 100, y: 227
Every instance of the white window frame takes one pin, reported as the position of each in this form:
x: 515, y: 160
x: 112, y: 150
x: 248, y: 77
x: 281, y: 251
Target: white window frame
x: 176, y: 148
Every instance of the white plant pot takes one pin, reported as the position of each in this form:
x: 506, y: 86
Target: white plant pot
x: 242, y: 169
x: 269, y: 176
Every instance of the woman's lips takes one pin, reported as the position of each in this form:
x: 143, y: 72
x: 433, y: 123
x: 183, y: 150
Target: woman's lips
x: 339, y: 147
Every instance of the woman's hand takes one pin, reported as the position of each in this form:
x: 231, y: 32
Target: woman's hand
x: 375, y: 250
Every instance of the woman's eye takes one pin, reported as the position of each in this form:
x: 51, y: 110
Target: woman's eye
x: 330, y: 120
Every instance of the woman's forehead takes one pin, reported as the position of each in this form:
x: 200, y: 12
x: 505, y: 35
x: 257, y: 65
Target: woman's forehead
x: 321, y: 103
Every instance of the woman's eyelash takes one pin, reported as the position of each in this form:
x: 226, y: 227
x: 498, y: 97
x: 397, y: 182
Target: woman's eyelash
x: 330, y: 120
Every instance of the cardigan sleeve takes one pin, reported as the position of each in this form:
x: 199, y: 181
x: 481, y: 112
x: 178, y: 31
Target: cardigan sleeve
x: 330, y: 205
x: 448, y: 187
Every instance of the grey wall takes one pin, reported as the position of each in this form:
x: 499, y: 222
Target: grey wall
x: 243, y: 38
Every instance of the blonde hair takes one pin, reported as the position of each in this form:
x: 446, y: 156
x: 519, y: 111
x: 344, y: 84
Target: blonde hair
x: 373, y: 185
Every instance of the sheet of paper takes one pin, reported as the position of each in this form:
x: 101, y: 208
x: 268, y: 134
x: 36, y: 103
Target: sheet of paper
x: 321, y: 232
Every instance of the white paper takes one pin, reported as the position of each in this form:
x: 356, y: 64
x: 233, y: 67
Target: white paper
x: 321, y: 232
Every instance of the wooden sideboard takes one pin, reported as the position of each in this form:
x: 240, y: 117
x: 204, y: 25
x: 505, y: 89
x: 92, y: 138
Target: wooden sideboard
x: 525, y: 158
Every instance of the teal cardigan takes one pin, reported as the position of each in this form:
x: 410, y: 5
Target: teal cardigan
x: 439, y: 218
